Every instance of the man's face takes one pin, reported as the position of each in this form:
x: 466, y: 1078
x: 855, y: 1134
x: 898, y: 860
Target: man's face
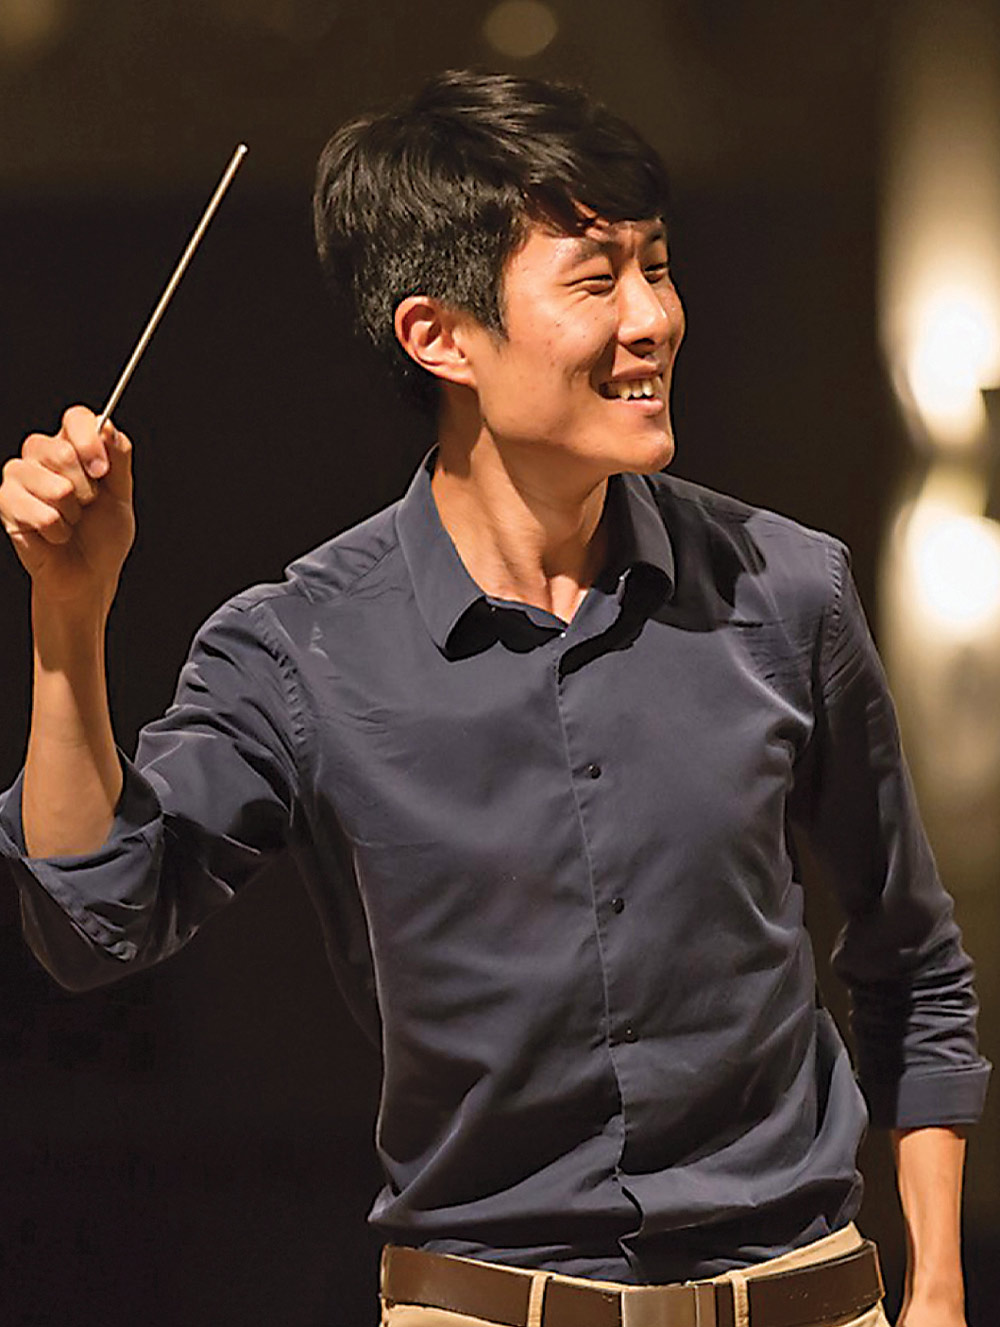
x: 593, y: 324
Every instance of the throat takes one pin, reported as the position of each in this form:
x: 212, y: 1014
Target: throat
x: 521, y: 546
x: 559, y: 589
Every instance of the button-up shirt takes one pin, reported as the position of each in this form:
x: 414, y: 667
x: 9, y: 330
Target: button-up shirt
x: 554, y: 868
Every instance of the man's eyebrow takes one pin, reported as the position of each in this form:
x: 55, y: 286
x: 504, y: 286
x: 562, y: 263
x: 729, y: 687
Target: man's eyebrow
x: 587, y: 246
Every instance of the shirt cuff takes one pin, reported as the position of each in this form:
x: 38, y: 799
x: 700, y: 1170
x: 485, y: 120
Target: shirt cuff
x: 926, y: 1099
x: 106, y: 894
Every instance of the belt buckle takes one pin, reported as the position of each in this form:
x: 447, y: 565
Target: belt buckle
x: 691, y: 1305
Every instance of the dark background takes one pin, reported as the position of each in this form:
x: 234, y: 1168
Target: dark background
x: 193, y: 1146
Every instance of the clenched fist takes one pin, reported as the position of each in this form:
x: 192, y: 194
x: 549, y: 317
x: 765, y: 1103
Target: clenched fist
x: 66, y: 503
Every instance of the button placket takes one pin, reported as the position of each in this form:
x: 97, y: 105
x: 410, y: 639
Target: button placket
x: 593, y: 806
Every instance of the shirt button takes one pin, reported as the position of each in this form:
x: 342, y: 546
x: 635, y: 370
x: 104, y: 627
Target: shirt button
x: 594, y: 771
x: 629, y: 1033
x: 618, y: 905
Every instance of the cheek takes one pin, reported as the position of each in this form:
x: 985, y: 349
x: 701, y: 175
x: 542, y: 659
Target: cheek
x: 580, y: 347
x: 568, y: 343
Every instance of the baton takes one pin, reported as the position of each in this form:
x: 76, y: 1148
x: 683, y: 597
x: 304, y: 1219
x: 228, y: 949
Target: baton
x: 172, y: 284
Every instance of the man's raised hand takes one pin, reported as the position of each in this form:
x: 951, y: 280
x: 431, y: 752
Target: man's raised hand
x: 66, y: 503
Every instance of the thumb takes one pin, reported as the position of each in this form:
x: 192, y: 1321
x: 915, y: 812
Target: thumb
x: 118, y: 480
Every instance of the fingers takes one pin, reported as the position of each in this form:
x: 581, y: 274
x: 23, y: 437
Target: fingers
x: 88, y: 459
x: 28, y: 505
x: 97, y: 457
x: 59, y: 458
x: 79, y: 427
x: 118, y: 451
x: 104, y: 456
x: 47, y: 488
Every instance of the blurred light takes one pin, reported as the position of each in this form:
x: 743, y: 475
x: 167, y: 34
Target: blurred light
x: 28, y: 26
x: 955, y: 354
x: 940, y: 252
x: 520, y: 28
x: 955, y: 564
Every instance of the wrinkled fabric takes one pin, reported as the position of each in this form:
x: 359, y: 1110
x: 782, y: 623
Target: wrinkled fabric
x: 554, y: 870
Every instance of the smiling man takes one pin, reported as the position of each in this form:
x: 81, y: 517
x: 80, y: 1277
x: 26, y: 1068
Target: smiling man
x: 533, y: 423
x: 536, y: 736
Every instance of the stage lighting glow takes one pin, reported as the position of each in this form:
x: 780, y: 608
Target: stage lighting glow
x: 28, y: 26
x: 940, y: 298
x: 520, y: 28
x: 955, y: 561
x: 955, y: 353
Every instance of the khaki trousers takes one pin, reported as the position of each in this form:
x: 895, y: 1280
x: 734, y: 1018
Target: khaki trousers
x: 832, y: 1246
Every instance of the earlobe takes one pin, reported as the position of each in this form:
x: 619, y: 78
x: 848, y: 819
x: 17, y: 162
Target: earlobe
x: 426, y: 330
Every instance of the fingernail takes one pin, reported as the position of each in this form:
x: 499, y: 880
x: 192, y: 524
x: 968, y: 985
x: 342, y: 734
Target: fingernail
x: 96, y: 467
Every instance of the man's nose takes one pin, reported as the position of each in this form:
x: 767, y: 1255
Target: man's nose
x: 643, y: 315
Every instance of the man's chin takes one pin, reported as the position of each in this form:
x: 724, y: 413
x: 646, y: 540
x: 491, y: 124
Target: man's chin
x: 656, y: 455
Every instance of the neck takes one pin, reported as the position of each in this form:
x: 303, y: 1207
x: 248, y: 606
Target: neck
x: 522, y: 530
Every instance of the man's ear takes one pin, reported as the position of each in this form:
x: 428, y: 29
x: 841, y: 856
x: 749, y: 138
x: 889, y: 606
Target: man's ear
x: 431, y: 334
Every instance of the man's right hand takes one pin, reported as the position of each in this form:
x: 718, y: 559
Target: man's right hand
x: 66, y: 503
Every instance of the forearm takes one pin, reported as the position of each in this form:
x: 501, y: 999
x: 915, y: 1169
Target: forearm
x: 66, y: 503
x: 929, y: 1167
x: 72, y: 778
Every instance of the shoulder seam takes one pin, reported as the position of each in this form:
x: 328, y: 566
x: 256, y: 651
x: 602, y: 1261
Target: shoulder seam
x: 256, y: 596
x: 834, y: 611
x: 297, y: 710
x: 730, y: 510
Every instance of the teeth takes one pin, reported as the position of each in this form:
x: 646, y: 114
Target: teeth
x: 627, y: 391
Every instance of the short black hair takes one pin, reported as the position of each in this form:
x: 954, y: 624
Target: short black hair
x: 433, y: 196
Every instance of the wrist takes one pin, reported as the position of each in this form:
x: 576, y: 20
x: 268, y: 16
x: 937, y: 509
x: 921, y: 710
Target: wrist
x: 941, y: 1287
x: 66, y: 630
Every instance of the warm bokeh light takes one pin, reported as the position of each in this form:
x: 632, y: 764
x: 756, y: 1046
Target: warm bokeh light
x: 520, y: 28
x: 940, y: 261
x: 954, y: 354
x: 955, y: 561
x: 28, y: 26
x: 940, y: 635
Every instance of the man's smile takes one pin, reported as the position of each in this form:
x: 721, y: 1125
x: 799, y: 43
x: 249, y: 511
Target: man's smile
x: 643, y: 392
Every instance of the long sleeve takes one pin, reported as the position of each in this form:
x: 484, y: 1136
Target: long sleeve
x: 207, y: 801
x: 900, y: 951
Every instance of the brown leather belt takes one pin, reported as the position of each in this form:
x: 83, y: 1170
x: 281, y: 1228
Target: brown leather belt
x: 801, y: 1297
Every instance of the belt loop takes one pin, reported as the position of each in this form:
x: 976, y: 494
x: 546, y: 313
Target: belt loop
x: 383, y: 1268
x: 741, y: 1300
x: 704, y: 1304
x: 536, y: 1298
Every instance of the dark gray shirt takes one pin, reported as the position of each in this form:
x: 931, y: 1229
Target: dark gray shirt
x: 553, y: 867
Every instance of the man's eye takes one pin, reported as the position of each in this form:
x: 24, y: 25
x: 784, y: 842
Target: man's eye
x: 597, y: 281
x: 657, y: 271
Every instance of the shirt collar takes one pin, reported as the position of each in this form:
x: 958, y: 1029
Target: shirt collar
x: 445, y: 591
x: 443, y: 588
x: 640, y: 526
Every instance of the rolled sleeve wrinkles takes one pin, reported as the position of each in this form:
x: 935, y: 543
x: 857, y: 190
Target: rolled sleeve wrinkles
x: 900, y: 952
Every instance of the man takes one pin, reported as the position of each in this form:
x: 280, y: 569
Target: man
x: 535, y: 735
